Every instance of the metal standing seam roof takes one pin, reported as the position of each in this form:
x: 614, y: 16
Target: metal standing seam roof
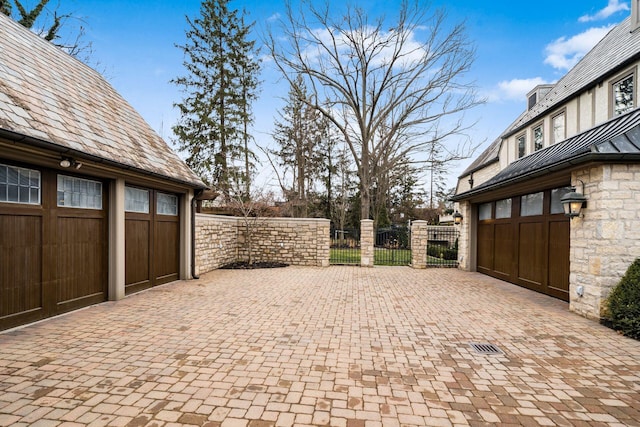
x: 616, y: 139
x: 48, y: 95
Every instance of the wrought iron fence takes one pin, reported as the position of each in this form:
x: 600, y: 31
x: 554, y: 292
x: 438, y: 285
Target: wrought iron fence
x: 345, y: 246
x: 392, y: 246
x: 442, y: 246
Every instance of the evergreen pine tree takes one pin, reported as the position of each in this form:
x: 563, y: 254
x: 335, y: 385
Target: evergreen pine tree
x: 221, y: 81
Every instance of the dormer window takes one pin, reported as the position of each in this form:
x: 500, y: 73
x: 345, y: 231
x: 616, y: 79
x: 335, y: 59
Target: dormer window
x: 533, y: 100
x: 622, y: 94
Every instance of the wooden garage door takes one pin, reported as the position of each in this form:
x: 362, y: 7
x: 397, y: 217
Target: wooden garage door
x: 525, y: 240
x: 152, y: 238
x: 53, y: 240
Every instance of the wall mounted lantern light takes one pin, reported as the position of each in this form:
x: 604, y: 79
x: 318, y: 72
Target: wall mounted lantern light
x: 457, y: 218
x: 67, y: 162
x: 573, y: 202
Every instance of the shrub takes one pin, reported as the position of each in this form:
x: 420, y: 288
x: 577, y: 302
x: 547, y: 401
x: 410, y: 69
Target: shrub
x: 624, y: 303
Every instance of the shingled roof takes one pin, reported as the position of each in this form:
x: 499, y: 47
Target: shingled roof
x: 616, y: 49
x: 51, y: 97
x: 615, y: 140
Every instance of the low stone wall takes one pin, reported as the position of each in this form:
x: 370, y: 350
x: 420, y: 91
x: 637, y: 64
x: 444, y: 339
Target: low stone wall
x: 297, y: 241
x: 216, y: 242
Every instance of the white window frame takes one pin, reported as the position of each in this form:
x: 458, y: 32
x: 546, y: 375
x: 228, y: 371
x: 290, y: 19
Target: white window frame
x: 634, y: 94
x: 533, y: 137
x: 522, y: 137
x: 557, y: 115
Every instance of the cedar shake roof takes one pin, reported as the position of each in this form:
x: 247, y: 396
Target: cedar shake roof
x: 48, y: 95
x: 615, y: 140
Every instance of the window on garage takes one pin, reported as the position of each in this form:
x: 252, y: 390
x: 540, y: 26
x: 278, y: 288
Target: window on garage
x: 79, y: 193
x: 484, y: 211
x: 19, y: 185
x: 167, y: 204
x: 136, y: 200
x: 503, y: 208
x: 531, y: 204
x: 556, y: 196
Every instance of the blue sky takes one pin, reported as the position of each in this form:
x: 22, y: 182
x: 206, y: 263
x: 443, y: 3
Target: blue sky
x: 519, y: 45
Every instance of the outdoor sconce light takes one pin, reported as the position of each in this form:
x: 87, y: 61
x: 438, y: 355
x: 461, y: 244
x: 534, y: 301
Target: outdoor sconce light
x: 457, y: 218
x: 68, y: 162
x: 573, y: 202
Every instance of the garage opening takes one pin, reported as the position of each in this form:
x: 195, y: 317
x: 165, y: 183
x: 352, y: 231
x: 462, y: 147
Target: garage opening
x: 525, y: 240
x: 152, y: 238
x: 53, y: 243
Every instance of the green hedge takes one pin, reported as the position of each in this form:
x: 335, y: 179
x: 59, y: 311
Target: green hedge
x: 439, y: 251
x: 624, y: 303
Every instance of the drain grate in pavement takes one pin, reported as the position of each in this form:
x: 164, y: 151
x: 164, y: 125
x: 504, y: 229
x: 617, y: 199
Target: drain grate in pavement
x: 485, y: 348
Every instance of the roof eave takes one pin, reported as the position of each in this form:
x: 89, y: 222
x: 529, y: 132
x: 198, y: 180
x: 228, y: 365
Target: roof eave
x: 565, y: 164
x: 20, y: 138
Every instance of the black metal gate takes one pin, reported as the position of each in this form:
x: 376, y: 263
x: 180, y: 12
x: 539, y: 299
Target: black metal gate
x: 392, y: 246
x: 442, y: 246
x: 345, y: 246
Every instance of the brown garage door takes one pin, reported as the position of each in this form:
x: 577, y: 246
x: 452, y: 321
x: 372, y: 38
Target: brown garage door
x: 152, y: 238
x: 53, y: 240
x: 525, y: 240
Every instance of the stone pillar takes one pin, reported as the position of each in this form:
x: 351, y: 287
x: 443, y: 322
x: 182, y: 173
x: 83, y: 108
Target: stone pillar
x: 366, y: 243
x: 466, y: 244
x: 324, y: 242
x: 419, y: 238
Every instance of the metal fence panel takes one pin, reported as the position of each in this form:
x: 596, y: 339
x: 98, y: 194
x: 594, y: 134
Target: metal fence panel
x: 392, y: 246
x: 442, y: 246
x: 345, y: 246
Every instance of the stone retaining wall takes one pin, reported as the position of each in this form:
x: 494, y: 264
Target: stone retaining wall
x: 296, y: 241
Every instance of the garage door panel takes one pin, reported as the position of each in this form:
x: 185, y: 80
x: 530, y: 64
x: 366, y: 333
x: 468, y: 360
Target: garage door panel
x: 559, y: 258
x: 503, y: 248
x: 166, y: 251
x: 485, y: 247
x: 21, y: 273
x: 82, y: 267
x: 531, y: 247
x: 137, y: 234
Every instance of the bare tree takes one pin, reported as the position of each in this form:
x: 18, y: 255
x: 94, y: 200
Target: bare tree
x: 392, y: 89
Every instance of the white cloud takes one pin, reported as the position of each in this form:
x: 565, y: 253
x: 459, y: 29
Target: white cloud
x: 515, y: 89
x: 564, y: 53
x: 612, y: 7
x: 274, y: 17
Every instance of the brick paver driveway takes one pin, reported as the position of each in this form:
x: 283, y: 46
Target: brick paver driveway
x: 342, y: 346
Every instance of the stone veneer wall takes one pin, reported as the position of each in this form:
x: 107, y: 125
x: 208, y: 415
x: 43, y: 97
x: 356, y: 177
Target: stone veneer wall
x: 297, y: 241
x: 606, y: 240
x: 216, y: 242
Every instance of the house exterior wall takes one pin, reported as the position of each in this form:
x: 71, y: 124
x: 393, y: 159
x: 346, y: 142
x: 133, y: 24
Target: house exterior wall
x: 222, y: 240
x: 606, y: 239
x: 479, y: 177
x: 466, y: 245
